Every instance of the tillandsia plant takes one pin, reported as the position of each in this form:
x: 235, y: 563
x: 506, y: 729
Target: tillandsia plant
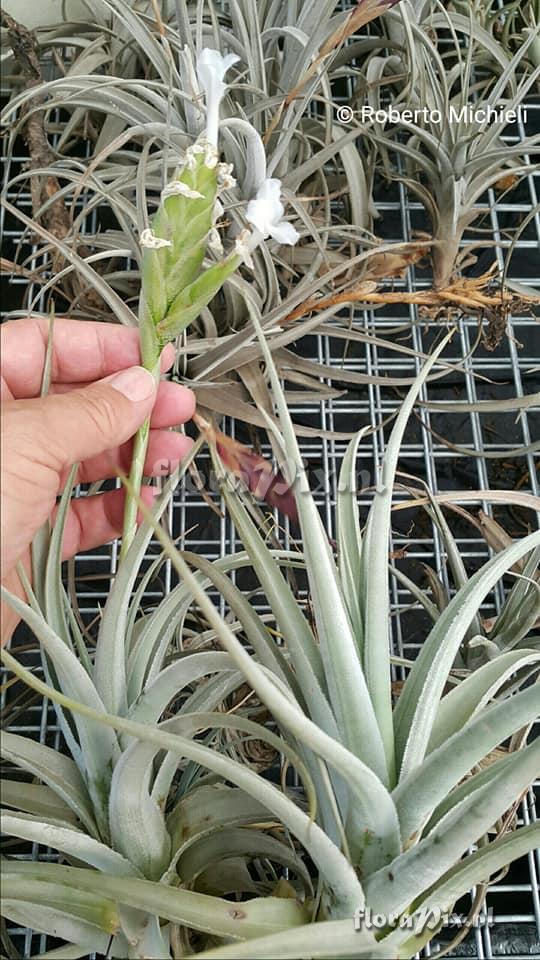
x: 510, y: 22
x: 146, y: 852
x: 170, y: 842
x: 175, y: 285
x: 394, y: 796
x: 451, y: 105
x: 129, y: 97
x: 131, y: 101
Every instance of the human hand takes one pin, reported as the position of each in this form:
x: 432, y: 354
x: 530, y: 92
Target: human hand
x: 97, y: 401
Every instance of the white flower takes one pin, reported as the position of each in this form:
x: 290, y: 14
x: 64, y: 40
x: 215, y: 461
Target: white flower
x: 266, y: 212
x: 211, y: 69
x: 149, y: 241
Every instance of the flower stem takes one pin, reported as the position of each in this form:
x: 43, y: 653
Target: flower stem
x: 150, y: 354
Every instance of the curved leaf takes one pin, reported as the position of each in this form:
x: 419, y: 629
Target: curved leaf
x: 480, y: 866
x: 395, y: 886
x: 72, y: 842
x: 173, y: 679
x: 418, y: 795
x: 195, y: 910
x: 419, y: 700
x: 36, y: 799
x: 210, y: 806
x: 99, y: 746
x: 349, y: 541
x: 230, y: 842
x: 474, y: 692
x: 136, y: 822
x: 52, y: 768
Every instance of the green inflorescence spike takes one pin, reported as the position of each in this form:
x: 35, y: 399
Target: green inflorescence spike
x: 175, y: 288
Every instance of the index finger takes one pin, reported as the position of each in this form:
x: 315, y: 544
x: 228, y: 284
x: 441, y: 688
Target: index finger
x: 82, y: 351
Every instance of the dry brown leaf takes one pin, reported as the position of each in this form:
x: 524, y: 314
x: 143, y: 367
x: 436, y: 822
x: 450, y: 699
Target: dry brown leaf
x: 507, y: 182
x: 384, y: 266
x: 254, y: 471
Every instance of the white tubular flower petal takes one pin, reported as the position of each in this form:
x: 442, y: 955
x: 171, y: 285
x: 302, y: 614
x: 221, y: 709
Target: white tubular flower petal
x: 219, y: 210
x: 178, y: 189
x: 242, y: 247
x: 149, y: 241
x: 255, y: 156
x: 284, y: 232
x: 211, y: 69
x: 266, y: 213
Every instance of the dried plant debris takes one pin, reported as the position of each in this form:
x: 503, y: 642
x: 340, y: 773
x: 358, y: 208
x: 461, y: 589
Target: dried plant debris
x: 256, y: 473
x: 480, y: 296
x: 55, y: 217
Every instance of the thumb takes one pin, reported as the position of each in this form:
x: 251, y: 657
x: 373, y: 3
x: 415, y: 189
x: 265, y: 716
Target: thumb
x: 84, y: 423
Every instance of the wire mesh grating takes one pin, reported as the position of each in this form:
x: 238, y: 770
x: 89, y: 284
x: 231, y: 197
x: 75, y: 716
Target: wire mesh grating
x: 513, y: 904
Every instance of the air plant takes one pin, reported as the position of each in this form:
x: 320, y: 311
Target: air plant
x: 130, y: 839
x: 451, y: 107
x: 510, y: 22
x: 175, y: 286
x: 131, y: 94
x: 172, y: 842
x: 399, y: 799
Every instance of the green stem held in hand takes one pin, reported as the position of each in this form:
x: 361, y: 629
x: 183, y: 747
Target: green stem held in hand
x: 136, y: 474
x: 150, y: 355
x: 176, y: 283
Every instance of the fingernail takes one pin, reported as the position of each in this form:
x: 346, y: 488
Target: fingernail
x: 168, y: 357
x: 136, y: 383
